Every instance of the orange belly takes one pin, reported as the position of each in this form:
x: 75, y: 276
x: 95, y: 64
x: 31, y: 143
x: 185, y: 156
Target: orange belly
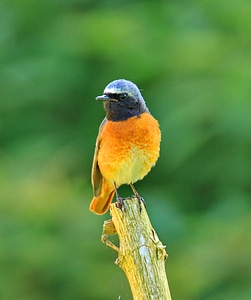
x: 129, y: 149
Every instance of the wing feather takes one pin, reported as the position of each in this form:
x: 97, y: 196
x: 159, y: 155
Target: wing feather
x: 96, y: 174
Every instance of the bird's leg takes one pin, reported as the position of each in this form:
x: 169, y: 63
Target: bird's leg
x: 137, y: 195
x: 120, y: 200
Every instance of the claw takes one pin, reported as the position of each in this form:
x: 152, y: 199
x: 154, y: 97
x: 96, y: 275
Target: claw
x: 120, y: 203
x: 141, y: 200
x: 137, y: 195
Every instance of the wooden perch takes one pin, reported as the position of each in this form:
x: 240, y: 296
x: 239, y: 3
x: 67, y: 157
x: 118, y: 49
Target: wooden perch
x: 141, y: 254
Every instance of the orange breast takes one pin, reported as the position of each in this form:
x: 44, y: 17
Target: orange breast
x: 129, y: 149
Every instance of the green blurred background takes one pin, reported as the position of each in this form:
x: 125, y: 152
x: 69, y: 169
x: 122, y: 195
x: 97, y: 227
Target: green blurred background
x: 193, y: 61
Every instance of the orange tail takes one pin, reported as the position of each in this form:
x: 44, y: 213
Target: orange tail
x: 100, y: 205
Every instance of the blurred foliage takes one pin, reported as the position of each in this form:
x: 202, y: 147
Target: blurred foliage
x: 192, y: 59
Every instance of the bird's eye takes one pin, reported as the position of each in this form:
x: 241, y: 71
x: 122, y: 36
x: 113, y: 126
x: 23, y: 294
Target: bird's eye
x: 123, y: 96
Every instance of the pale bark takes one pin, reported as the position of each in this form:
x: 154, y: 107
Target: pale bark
x: 141, y: 255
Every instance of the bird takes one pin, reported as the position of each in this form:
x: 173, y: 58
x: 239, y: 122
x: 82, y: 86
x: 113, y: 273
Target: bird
x: 127, y: 145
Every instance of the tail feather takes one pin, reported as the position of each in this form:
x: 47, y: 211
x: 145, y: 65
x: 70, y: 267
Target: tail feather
x: 101, y: 204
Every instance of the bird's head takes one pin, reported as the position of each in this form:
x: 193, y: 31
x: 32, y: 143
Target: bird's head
x: 122, y: 100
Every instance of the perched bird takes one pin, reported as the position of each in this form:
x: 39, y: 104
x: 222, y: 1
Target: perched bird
x: 127, y: 146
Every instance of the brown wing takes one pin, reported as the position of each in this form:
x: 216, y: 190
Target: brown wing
x: 96, y: 174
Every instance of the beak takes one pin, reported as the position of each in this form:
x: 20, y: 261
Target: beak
x: 106, y: 98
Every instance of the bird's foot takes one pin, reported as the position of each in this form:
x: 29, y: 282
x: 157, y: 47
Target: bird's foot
x: 140, y: 200
x: 121, y: 203
x: 137, y: 195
